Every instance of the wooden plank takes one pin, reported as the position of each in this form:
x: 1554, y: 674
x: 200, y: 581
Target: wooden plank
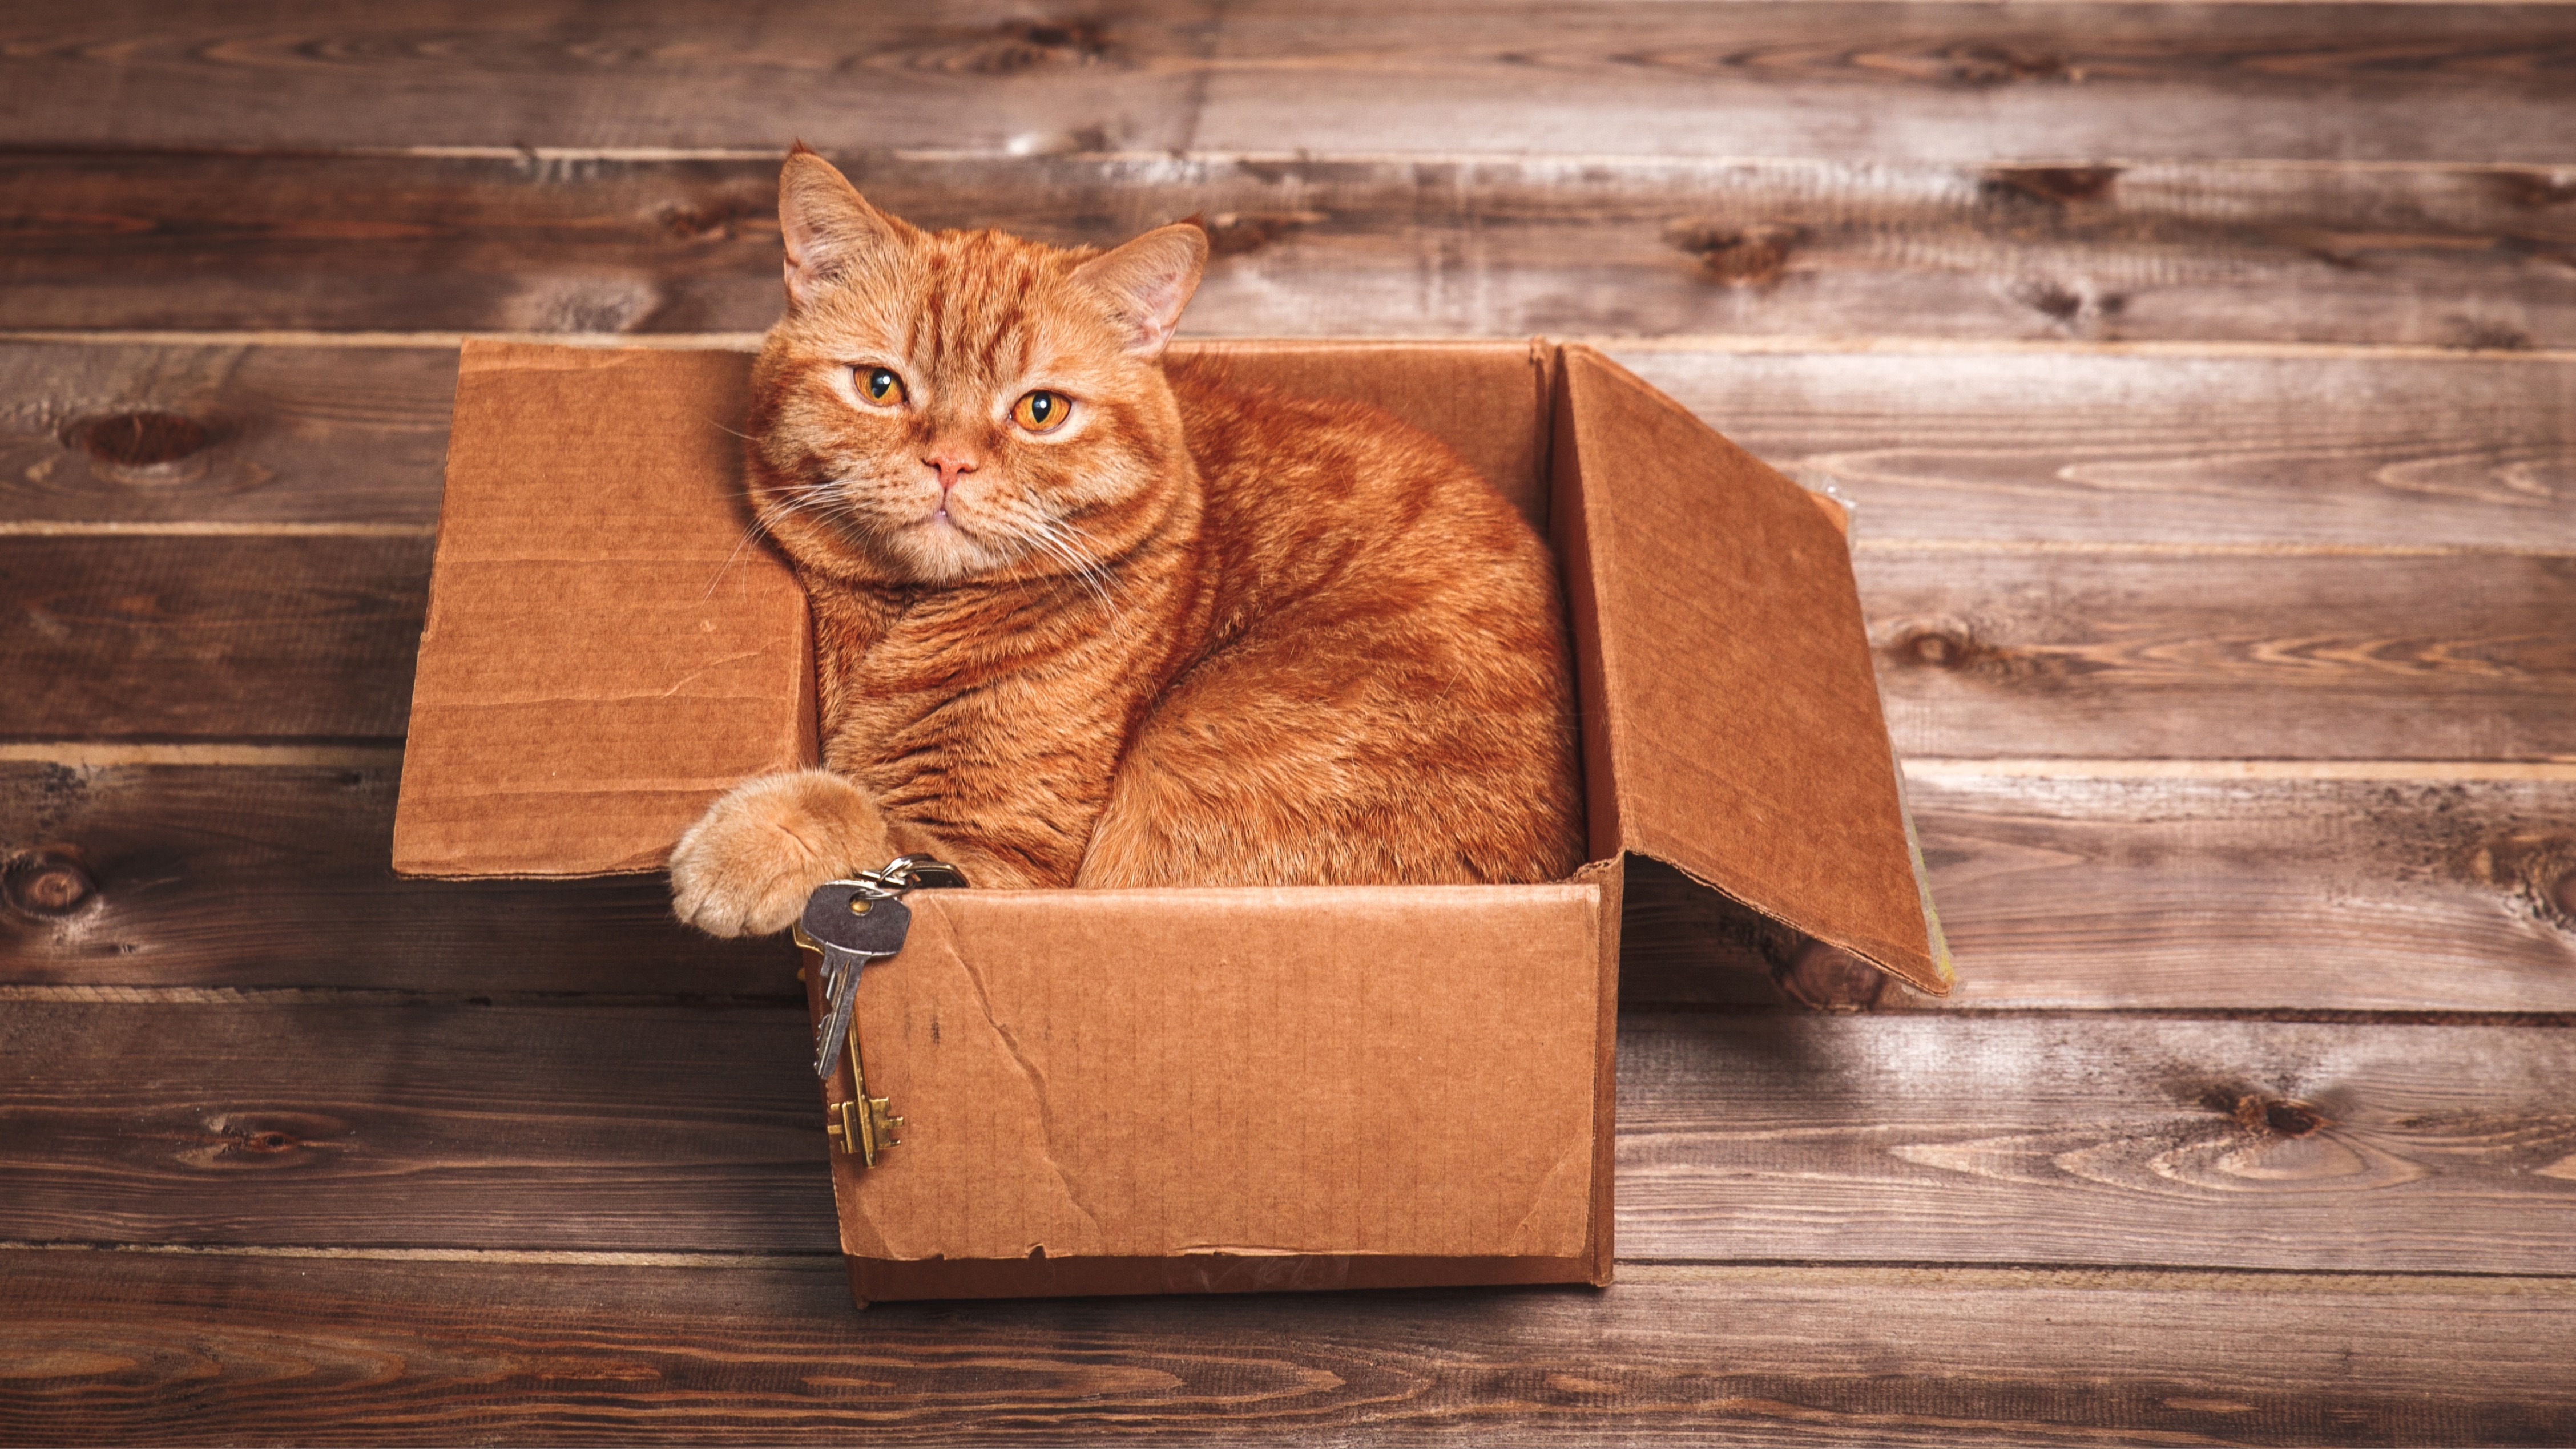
x: 2230, y: 450
x: 330, y: 73
x: 319, y: 1119
x: 1984, y: 650
x: 2254, y: 895
x: 2441, y: 255
x: 2332, y: 896
x: 126, y: 1349
x: 2002, y: 652
x: 2100, y: 1139
x: 300, y: 637
x: 322, y: 1120
x: 2005, y: 445
x: 209, y: 877
x: 233, y: 434
x: 1840, y: 80
x: 1893, y: 82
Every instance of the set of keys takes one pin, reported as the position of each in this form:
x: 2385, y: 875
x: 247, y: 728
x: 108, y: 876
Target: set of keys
x: 849, y: 923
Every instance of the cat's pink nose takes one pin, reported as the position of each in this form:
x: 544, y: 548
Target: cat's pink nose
x: 949, y: 470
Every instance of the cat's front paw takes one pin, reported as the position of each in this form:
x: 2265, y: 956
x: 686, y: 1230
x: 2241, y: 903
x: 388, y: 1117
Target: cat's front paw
x: 747, y: 866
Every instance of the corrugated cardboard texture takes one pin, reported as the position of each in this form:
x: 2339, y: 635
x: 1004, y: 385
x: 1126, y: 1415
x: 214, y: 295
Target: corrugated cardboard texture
x: 1219, y: 1075
x: 1723, y: 659
x: 605, y: 651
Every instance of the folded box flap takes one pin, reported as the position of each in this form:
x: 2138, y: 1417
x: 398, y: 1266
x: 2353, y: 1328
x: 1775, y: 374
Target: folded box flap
x: 605, y: 650
x: 1726, y: 664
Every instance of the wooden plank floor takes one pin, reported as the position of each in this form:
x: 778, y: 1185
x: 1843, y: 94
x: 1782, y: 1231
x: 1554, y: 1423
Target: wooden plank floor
x: 2204, y: 377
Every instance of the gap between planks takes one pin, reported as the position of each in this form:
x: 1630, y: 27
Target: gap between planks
x: 1526, y: 160
x: 1642, y: 1272
x: 1711, y: 343
x: 86, y: 754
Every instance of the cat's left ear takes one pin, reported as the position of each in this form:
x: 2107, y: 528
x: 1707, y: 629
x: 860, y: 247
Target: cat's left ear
x: 1148, y: 281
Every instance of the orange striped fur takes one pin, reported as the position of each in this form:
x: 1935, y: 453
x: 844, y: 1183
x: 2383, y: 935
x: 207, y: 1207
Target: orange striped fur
x: 1195, y: 634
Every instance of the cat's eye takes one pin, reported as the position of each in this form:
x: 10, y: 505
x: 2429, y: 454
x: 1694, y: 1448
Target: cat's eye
x: 880, y: 385
x: 1042, y: 411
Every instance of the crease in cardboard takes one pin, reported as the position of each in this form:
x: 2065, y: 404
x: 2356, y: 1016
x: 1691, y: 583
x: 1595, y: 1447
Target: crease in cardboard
x: 1036, y: 1081
x: 1549, y: 1195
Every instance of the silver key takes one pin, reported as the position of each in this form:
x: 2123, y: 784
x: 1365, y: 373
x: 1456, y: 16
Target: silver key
x: 851, y: 922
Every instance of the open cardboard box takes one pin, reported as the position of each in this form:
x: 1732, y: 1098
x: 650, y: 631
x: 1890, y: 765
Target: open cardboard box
x: 1187, y: 1090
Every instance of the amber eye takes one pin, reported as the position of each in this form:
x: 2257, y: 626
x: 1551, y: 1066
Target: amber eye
x: 880, y: 384
x: 1042, y: 411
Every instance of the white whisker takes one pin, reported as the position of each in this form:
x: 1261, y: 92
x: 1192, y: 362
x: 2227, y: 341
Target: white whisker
x: 761, y: 522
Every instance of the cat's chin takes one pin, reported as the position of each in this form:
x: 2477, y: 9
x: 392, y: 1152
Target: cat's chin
x: 938, y: 551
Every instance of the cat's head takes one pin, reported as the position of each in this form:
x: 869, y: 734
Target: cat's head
x: 941, y: 406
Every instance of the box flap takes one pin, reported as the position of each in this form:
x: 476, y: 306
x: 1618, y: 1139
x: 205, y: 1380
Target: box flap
x: 1412, y: 1072
x: 1723, y: 661
x: 605, y: 650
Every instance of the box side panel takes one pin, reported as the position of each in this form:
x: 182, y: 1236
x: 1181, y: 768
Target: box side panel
x: 604, y: 650
x: 1475, y: 396
x: 1376, y: 1072
x: 1746, y: 739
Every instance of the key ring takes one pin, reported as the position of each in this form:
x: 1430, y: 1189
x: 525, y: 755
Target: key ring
x: 915, y: 873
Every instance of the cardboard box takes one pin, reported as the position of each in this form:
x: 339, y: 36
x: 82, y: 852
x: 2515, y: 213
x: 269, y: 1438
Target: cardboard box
x: 1188, y: 1090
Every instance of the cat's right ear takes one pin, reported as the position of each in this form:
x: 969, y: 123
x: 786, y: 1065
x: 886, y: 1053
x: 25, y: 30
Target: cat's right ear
x: 827, y: 225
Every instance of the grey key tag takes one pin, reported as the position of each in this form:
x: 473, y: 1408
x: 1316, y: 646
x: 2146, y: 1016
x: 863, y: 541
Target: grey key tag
x: 864, y: 919
x: 851, y: 923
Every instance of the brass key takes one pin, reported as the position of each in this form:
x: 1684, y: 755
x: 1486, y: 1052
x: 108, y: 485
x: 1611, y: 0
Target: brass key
x: 848, y: 923
x: 863, y: 1125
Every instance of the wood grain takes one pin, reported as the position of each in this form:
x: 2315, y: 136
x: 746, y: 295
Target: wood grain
x: 1894, y: 82
x: 125, y: 1349
x: 2254, y: 895
x: 2119, y: 449
x: 2314, y: 896
x: 1832, y: 80
x: 222, y: 878
x: 281, y: 434
x: 2055, y: 1139
x: 298, y: 1120
x: 1997, y: 445
x: 2116, y: 654
x: 2441, y: 255
x: 298, y: 637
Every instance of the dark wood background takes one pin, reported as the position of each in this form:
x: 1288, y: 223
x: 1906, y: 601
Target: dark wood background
x: 2204, y: 375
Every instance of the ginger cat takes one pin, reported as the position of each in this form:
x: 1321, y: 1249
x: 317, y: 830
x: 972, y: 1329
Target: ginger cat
x: 1085, y: 618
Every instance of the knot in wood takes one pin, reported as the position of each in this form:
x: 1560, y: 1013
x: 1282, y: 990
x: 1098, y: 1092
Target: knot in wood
x: 2281, y: 1116
x: 1737, y: 256
x: 2059, y: 184
x: 1026, y: 45
x: 141, y: 439
x: 1981, y: 65
x: 45, y: 883
x: 1940, y: 649
x: 1235, y: 233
